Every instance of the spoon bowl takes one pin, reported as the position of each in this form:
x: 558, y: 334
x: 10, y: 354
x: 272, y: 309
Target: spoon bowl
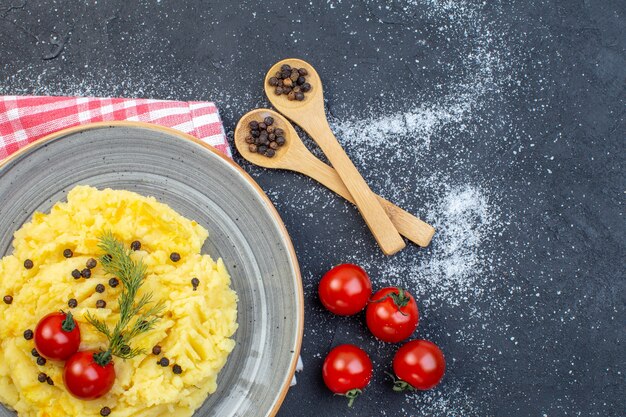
x: 312, y: 99
x: 284, y: 154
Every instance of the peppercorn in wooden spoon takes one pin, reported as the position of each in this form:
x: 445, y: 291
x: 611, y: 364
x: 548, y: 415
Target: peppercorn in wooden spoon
x: 309, y: 114
x: 294, y: 156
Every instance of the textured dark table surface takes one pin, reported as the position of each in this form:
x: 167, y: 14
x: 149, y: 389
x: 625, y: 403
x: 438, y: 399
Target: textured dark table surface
x: 502, y: 124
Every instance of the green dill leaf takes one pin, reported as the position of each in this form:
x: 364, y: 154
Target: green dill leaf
x: 116, y: 260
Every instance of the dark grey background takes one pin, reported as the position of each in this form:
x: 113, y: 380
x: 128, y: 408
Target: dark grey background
x: 500, y: 122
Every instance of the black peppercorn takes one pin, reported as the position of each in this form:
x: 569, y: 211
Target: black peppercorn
x: 255, y: 133
x: 49, y: 381
x: 253, y: 125
x: 35, y: 353
x: 273, y: 81
x: 292, y: 96
x: 266, y: 141
x: 100, y: 288
x: 7, y: 299
x: 114, y: 282
x: 303, y: 71
x: 72, y: 303
x: 28, y: 334
x: 249, y: 139
x: 177, y: 369
x: 174, y: 256
x: 91, y: 263
x: 41, y: 361
x: 300, y: 80
x: 305, y: 88
x: 105, y: 411
x: 101, y: 304
x: 294, y: 76
x: 28, y: 264
x: 68, y: 253
x: 156, y: 350
x: 195, y: 282
x: 42, y: 377
x: 285, y: 67
x: 76, y: 274
x: 299, y: 96
x: 278, y: 91
x: 164, y: 362
x: 85, y: 273
x: 135, y: 245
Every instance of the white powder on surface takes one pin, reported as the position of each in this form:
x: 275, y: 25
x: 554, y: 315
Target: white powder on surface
x: 452, y: 402
x: 391, y: 130
x: 465, y: 220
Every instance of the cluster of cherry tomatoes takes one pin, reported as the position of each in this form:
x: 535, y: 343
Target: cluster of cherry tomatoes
x: 392, y: 316
x: 57, y: 337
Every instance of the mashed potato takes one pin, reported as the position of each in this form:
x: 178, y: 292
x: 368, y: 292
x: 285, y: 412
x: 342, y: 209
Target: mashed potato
x: 194, y: 331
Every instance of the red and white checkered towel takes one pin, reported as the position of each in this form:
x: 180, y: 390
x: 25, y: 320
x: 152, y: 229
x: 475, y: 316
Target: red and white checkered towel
x: 24, y: 119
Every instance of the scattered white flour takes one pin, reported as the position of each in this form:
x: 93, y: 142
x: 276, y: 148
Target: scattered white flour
x: 392, y: 130
x: 465, y: 220
x: 452, y: 401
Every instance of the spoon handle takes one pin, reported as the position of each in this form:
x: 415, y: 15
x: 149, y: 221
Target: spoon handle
x: 366, y: 201
x: 410, y: 226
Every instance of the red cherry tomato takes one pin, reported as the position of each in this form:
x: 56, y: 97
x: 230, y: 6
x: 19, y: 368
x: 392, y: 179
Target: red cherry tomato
x: 347, y: 370
x: 85, y: 378
x: 345, y: 289
x: 419, y: 364
x: 57, y: 336
x: 392, y: 315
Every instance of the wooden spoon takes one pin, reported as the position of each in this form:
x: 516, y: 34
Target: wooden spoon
x: 310, y: 115
x: 294, y: 156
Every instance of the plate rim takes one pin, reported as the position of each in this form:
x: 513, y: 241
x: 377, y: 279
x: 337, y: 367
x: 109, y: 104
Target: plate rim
x: 271, y: 210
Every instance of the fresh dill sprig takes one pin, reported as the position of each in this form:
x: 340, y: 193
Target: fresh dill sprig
x: 116, y: 260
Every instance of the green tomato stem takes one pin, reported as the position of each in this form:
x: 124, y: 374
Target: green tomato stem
x: 69, y: 323
x: 352, y: 395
